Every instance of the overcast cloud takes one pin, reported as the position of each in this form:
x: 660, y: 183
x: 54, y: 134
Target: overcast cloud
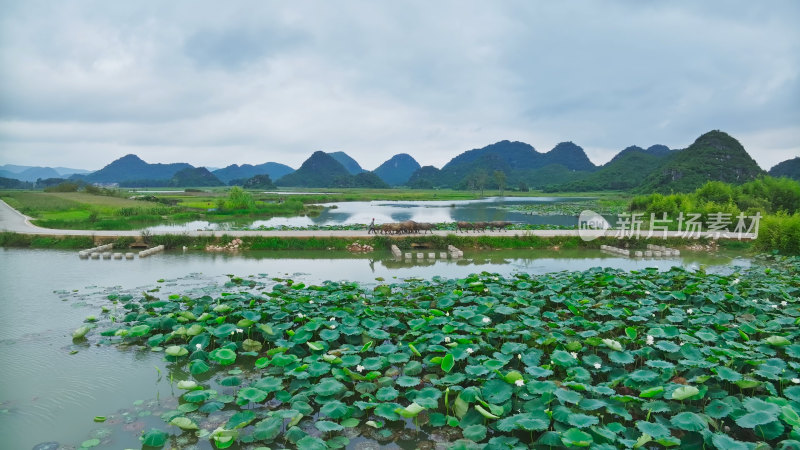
x: 85, y: 82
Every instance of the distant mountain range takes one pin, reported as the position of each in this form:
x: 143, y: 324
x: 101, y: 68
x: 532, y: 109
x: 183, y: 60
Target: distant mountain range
x: 713, y: 156
x: 33, y: 173
x: 245, y: 171
x: 324, y: 170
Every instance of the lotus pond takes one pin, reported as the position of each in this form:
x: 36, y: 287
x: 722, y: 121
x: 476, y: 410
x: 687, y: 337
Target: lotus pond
x: 601, y: 357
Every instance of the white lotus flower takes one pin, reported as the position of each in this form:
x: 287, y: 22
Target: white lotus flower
x: 486, y: 320
x: 796, y: 380
x: 447, y: 339
x: 736, y: 281
x: 359, y: 368
x: 199, y: 346
x: 239, y: 330
x: 689, y: 311
x: 597, y: 365
x: 783, y: 303
x: 333, y: 319
x: 519, y: 356
x: 650, y: 340
x: 300, y: 315
x: 311, y: 301
x: 647, y: 292
x: 519, y: 383
x: 332, y: 327
x: 574, y: 355
x: 470, y: 350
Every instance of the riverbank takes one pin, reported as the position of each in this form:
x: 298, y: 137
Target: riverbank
x: 333, y: 242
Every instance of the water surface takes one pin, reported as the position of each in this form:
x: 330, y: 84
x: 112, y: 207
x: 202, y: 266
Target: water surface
x: 49, y: 394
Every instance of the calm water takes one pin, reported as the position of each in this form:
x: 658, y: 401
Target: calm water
x: 349, y: 213
x: 48, y: 394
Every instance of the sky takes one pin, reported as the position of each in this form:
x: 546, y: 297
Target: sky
x: 216, y: 83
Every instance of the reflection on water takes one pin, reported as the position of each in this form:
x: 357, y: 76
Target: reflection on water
x: 350, y: 213
x: 49, y: 394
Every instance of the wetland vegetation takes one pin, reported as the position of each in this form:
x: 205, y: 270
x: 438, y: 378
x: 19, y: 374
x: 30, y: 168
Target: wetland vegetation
x: 600, y: 357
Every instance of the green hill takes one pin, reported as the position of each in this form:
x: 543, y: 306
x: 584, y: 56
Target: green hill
x: 319, y: 170
x: 426, y: 177
x: 360, y: 180
x: 195, y: 177
x: 548, y: 175
x: 713, y: 156
x: 397, y: 170
x: 570, y: 156
x: 259, y: 182
x: 518, y: 160
x: 130, y: 168
x: 349, y: 163
x: 789, y: 168
x: 625, y: 171
x: 245, y: 171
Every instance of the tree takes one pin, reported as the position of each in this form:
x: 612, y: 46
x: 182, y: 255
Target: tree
x: 481, y: 178
x: 238, y: 198
x: 500, y: 179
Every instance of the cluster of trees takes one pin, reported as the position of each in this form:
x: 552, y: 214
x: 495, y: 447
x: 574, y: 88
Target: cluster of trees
x: 766, y: 195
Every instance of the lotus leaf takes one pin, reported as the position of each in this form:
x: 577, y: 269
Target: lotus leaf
x: 176, y: 350
x: 240, y: 420
x: 475, y: 433
x: 655, y: 430
x: 183, y: 423
x: 386, y: 393
x: 582, y: 420
x: 251, y: 394
x: 577, y: 438
x: 327, y: 426
x: 224, y: 356
x: 335, y: 409
x: 689, y: 421
x: 684, y: 392
x: 154, y: 438
x: 723, y: 441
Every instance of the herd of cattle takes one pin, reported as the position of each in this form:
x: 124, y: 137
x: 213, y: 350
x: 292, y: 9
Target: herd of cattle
x: 409, y: 226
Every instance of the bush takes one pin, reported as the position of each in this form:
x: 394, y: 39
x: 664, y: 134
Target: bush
x: 780, y: 232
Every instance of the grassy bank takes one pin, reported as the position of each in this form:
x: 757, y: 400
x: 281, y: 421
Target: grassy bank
x: 406, y: 243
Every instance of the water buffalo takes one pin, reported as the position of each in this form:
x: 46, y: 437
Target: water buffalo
x: 480, y: 226
x: 499, y: 224
x: 408, y: 226
x: 464, y: 226
x: 424, y: 226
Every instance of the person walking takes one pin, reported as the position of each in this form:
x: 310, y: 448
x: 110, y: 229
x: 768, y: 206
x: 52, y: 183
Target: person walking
x: 372, y: 227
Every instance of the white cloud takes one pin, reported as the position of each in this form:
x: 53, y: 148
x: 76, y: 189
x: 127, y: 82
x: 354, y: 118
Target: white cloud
x: 84, y: 82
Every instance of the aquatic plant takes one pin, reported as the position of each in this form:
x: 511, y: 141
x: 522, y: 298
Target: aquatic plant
x: 599, y: 358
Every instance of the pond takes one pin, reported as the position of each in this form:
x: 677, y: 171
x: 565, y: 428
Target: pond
x: 53, y: 388
x: 559, y: 211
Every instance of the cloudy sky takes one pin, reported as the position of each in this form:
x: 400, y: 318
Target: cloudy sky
x: 215, y: 83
